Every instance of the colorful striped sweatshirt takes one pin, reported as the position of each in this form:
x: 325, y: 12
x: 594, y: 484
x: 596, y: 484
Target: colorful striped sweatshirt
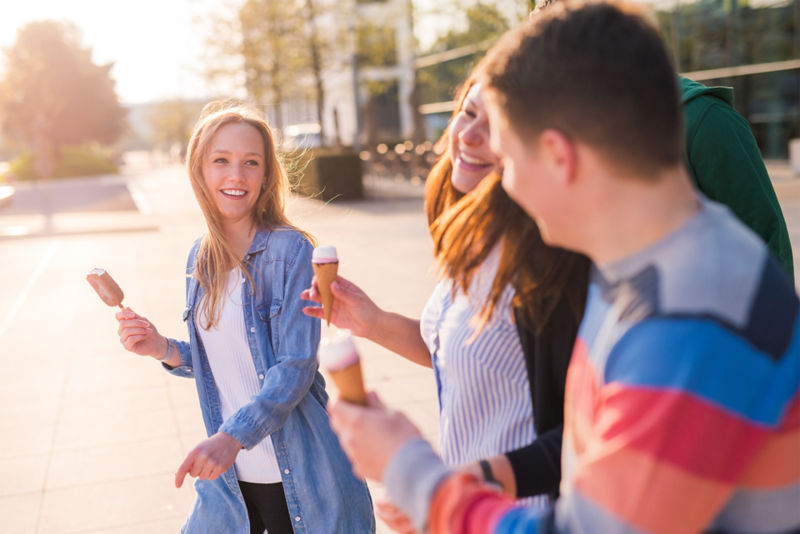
x: 682, y: 411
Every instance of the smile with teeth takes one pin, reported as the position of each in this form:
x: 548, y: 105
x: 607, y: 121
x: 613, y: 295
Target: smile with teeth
x: 474, y: 161
x: 234, y: 192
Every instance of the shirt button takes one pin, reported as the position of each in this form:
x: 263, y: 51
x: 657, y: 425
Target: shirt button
x: 297, y: 518
x: 243, y: 280
x: 247, y: 257
x: 261, y: 377
x: 252, y: 329
x: 286, y: 471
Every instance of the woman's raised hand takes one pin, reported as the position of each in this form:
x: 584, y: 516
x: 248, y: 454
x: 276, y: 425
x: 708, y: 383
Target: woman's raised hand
x: 352, y: 308
x: 139, y: 336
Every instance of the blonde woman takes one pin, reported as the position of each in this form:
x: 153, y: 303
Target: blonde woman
x: 271, y: 460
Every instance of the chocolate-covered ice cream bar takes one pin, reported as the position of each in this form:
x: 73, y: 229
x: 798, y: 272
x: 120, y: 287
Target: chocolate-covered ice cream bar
x: 106, y: 287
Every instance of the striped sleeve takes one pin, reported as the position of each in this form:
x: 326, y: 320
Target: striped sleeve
x: 686, y: 408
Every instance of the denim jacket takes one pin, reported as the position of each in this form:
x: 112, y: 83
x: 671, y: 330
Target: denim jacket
x: 322, y: 493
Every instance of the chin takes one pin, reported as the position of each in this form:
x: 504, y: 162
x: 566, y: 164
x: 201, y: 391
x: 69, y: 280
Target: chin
x: 464, y: 184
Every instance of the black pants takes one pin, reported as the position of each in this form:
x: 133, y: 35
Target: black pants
x: 266, y: 508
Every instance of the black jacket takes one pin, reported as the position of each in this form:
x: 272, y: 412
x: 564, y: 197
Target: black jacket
x: 537, y: 467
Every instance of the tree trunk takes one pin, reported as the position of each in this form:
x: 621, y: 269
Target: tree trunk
x: 316, y: 67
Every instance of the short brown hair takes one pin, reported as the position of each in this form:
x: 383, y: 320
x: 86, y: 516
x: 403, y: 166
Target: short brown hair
x: 599, y: 73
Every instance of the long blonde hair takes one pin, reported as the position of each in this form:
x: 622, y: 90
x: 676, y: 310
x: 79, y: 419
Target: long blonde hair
x: 216, y: 256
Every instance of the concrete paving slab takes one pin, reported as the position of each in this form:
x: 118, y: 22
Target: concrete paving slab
x: 23, y: 475
x: 24, y: 442
x: 116, y: 462
x: 116, y: 429
x: 114, y: 504
x: 20, y: 513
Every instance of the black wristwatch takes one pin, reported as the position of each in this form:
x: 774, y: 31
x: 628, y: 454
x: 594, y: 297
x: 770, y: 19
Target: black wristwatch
x: 488, y: 476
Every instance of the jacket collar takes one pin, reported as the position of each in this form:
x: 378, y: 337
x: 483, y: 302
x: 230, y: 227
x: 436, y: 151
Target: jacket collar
x: 259, y: 241
x: 261, y: 238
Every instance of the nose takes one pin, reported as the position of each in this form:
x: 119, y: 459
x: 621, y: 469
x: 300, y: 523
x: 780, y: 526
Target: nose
x: 475, y: 134
x: 236, y: 173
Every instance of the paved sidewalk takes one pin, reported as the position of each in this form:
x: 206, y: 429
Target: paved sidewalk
x: 90, y: 435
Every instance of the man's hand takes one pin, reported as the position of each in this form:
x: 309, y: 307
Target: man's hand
x: 370, y: 435
x: 209, y: 459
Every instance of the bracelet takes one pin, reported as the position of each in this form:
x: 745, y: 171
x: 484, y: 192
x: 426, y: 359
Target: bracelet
x: 488, y: 476
x: 169, y: 352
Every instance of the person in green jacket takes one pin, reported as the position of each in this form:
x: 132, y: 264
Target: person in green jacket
x: 726, y: 166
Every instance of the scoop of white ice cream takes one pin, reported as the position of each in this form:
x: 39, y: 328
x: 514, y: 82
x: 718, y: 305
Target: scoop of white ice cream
x: 326, y: 254
x: 338, y: 351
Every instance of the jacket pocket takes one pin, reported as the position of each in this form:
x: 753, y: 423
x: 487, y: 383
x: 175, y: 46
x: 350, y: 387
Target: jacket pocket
x: 266, y: 313
x: 269, y: 317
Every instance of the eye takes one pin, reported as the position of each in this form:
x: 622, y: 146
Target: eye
x: 469, y: 113
x: 220, y: 160
x: 251, y: 162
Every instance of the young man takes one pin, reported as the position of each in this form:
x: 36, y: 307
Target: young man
x: 682, y: 411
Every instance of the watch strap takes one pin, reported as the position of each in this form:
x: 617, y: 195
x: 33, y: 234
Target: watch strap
x: 488, y: 475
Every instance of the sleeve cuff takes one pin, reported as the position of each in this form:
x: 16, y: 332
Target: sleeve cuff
x: 185, y: 369
x: 246, y: 432
x: 411, y: 478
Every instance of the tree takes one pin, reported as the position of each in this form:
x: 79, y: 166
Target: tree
x: 283, y: 48
x: 270, y: 44
x: 483, y: 22
x: 53, y: 94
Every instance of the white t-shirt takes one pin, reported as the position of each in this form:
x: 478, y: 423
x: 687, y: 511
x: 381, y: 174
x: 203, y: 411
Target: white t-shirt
x: 234, y: 372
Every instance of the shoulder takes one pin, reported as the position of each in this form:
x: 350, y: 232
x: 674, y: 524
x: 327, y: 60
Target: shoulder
x: 192, y: 258
x: 287, y: 245
x: 716, y: 267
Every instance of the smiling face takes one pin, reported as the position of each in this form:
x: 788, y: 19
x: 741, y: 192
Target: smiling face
x: 534, y: 173
x: 234, y: 170
x: 470, y: 155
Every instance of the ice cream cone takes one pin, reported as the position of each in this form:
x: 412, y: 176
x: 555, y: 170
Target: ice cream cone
x: 338, y: 356
x: 326, y: 273
x: 350, y: 384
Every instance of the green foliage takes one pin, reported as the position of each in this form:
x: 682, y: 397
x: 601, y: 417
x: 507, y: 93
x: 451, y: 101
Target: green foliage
x: 376, y: 45
x: 51, y: 88
x: 272, y: 46
x: 71, y: 161
x: 438, y: 82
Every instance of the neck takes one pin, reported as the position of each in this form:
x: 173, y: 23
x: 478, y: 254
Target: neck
x: 633, y: 214
x: 240, y: 235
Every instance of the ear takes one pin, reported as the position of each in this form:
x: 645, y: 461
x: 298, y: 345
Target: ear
x: 559, y: 154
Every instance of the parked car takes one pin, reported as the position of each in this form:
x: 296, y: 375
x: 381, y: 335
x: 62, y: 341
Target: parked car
x: 301, y: 136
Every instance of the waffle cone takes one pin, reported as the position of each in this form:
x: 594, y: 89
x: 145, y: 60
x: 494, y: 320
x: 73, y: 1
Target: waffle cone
x: 350, y: 384
x: 326, y: 273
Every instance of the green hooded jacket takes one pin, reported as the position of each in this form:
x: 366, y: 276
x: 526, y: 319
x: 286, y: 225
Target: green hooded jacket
x: 726, y: 165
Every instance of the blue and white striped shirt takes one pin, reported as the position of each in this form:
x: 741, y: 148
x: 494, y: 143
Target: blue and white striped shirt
x: 484, y: 394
